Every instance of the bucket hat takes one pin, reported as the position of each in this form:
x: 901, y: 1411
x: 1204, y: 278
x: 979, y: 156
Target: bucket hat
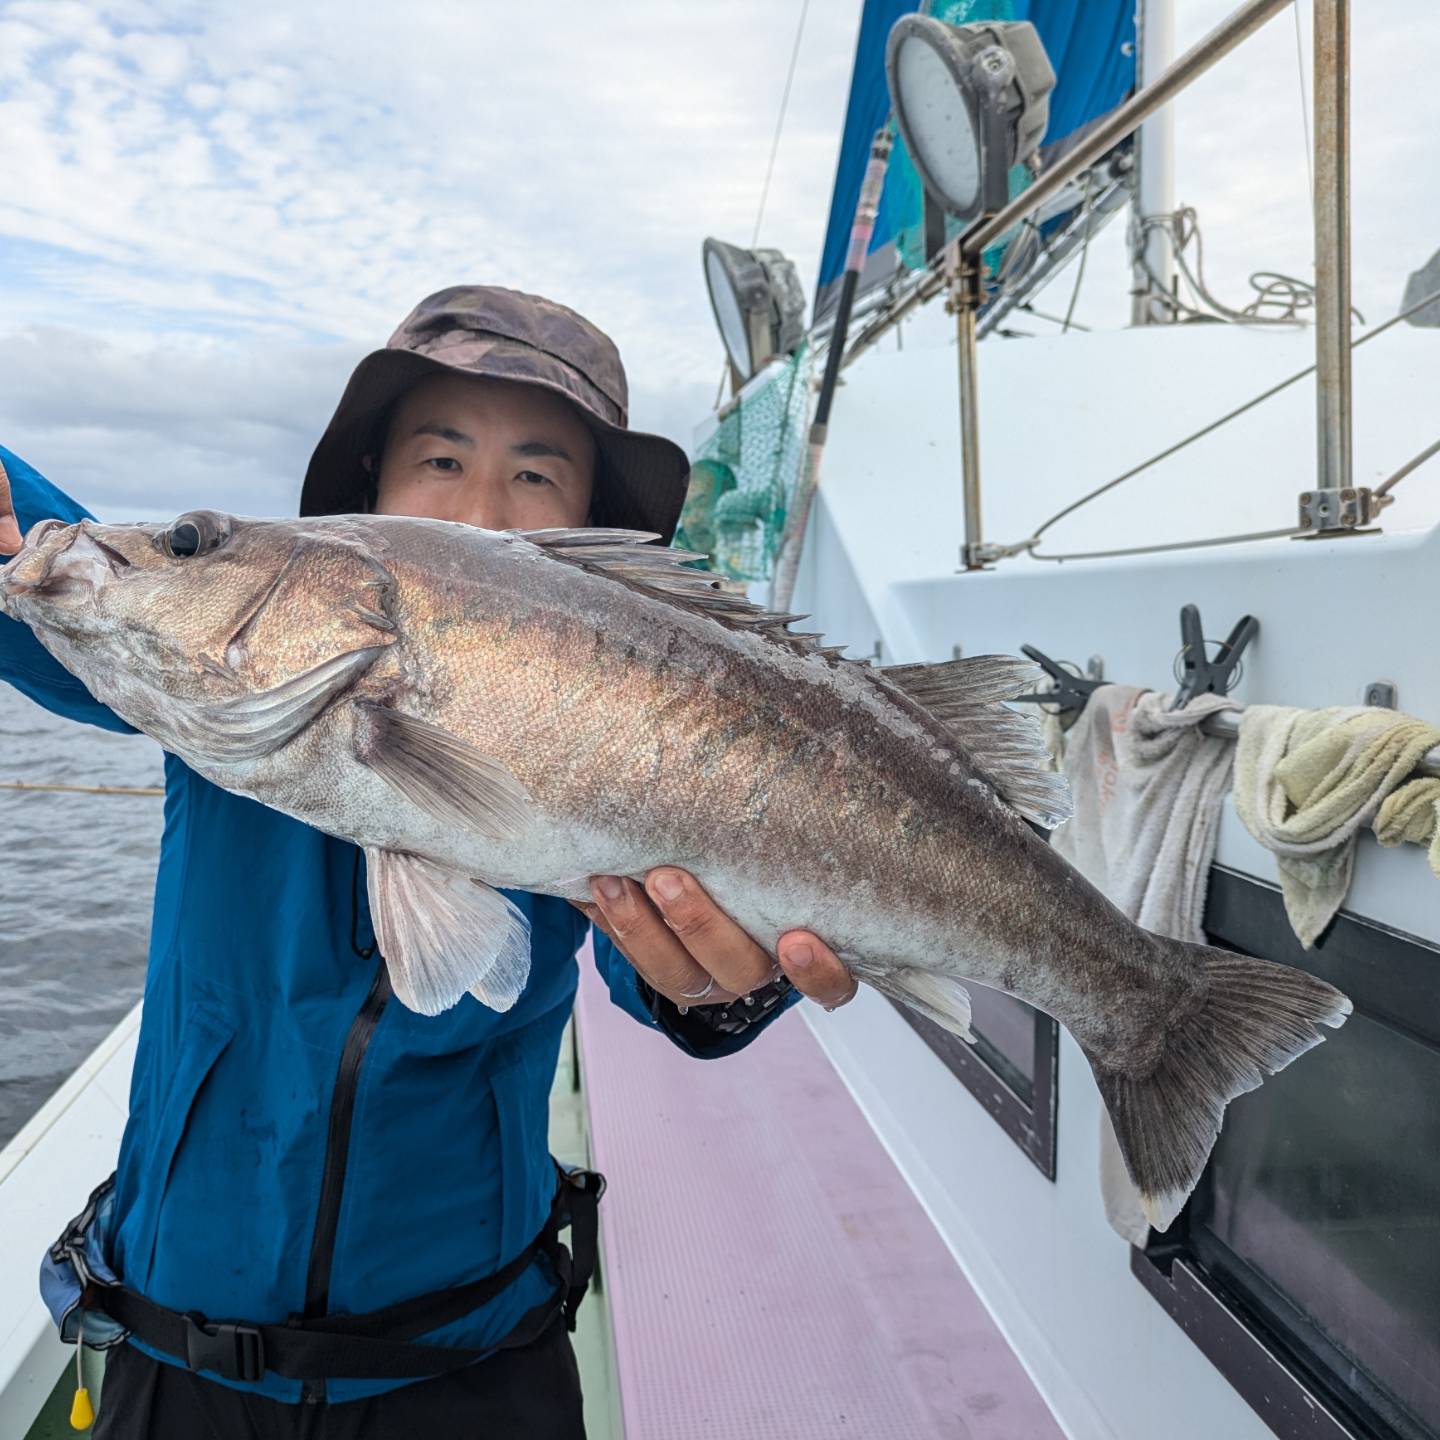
x: 505, y: 334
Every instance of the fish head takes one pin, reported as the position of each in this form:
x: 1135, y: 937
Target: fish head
x: 182, y: 628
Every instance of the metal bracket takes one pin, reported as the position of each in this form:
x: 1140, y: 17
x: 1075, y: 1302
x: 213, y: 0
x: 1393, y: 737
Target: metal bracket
x: 1337, y: 512
x: 1382, y: 693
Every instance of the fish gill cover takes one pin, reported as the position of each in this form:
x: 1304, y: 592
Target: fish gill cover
x: 1092, y: 48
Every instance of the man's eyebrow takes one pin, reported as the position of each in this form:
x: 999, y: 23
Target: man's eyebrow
x: 445, y: 432
x: 533, y: 449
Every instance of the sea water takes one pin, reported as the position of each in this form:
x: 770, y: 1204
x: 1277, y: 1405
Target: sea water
x: 77, y: 877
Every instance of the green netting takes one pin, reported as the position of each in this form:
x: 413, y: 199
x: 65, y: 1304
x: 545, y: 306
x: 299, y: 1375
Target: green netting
x: 745, y: 474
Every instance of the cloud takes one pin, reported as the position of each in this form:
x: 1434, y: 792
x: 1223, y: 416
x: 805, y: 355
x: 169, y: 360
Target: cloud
x: 211, y: 212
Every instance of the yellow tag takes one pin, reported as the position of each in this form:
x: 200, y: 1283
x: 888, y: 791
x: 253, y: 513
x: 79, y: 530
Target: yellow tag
x: 82, y: 1412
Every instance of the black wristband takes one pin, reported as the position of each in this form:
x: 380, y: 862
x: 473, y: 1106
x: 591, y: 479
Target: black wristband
x: 697, y: 1024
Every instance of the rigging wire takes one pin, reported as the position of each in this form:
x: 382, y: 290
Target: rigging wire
x: 780, y: 122
x: 1304, y: 101
x: 1029, y: 544
x: 1084, y: 249
x: 1387, y: 486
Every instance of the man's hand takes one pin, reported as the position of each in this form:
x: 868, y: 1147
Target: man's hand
x: 9, y: 527
x: 680, y: 940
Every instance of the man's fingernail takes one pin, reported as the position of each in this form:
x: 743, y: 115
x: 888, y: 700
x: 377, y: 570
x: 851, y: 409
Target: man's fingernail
x: 668, y: 885
x: 610, y: 886
x: 799, y: 954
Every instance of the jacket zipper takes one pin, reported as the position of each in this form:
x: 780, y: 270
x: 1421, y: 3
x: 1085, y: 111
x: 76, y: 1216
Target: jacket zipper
x: 337, y: 1137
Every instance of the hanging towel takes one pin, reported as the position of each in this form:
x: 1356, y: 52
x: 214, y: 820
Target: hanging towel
x: 1307, y: 781
x: 1147, y: 785
x: 1412, y: 813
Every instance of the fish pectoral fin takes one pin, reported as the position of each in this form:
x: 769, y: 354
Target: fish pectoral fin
x: 252, y: 725
x: 940, y: 998
x: 446, y: 777
x: 443, y: 934
x: 967, y: 697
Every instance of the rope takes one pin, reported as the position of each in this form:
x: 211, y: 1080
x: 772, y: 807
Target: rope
x: 1214, y: 425
x: 84, y: 789
x: 1288, y: 294
x: 780, y: 122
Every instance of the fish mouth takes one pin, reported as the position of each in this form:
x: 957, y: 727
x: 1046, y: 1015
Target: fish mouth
x: 53, y: 565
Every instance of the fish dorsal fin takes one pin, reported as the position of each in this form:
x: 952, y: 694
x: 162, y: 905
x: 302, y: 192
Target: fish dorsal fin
x: 663, y: 571
x: 967, y: 697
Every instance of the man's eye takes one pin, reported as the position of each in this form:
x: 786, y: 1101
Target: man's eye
x: 533, y: 477
x: 445, y: 464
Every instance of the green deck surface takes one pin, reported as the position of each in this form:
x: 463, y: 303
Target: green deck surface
x: 569, y: 1143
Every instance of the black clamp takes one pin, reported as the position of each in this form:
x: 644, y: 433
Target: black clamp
x: 1199, y: 674
x: 1071, y: 693
x: 233, y: 1352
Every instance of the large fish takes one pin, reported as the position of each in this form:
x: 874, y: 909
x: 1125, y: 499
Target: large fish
x: 529, y: 709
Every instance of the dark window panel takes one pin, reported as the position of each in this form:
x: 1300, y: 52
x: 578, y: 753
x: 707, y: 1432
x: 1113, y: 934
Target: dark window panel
x: 1316, y: 1224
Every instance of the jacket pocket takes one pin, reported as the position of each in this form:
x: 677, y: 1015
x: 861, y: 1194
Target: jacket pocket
x: 203, y: 1039
x: 522, y: 1103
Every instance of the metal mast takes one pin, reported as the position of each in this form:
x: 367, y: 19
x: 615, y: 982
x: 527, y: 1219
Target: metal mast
x: 1152, y: 261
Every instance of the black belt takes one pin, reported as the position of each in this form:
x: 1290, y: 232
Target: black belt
x: 380, y: 1344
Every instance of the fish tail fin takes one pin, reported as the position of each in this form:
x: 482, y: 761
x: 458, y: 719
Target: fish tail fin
x: 1256, y: 1017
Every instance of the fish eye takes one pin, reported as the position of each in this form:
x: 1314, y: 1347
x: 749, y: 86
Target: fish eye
x: 194, y: 535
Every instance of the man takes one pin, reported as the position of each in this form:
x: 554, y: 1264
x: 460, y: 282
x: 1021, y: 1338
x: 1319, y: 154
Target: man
x: 302, y: 1148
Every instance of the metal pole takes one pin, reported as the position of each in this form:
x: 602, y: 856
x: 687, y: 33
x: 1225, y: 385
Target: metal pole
x: 1154, y: 265
x: 971, y: 556
x: 1332, y: 243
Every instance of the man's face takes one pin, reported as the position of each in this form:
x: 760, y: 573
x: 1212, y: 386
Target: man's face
x: 487, y: 452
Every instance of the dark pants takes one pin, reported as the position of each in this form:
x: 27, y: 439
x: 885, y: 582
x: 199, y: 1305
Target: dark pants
x: 532, y: 1393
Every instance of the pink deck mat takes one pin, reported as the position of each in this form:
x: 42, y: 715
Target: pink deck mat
x: 770, y: 1275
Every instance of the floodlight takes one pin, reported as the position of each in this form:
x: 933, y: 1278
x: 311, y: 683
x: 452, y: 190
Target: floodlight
x: 970, y: 101
x: 758, y: 303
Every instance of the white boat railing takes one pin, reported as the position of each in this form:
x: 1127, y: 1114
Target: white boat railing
x: 41, y: 1187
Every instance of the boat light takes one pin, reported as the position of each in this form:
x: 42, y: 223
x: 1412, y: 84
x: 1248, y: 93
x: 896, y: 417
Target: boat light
x: 758, y: 303
x: 970, y: 101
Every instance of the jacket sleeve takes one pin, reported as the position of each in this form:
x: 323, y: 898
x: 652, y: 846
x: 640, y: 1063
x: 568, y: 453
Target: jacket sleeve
x: 631, y: 994
x: 24, y: 662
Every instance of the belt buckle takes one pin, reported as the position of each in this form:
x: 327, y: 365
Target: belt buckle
x: 234, y: 1352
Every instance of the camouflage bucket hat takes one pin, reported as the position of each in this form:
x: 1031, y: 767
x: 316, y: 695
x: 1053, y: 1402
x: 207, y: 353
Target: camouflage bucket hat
x: 640, y: 479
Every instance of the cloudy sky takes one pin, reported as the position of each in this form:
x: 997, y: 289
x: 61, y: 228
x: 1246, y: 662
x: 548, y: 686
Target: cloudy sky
x: 210, y: 212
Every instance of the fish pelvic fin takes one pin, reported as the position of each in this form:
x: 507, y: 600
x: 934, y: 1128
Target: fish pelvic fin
x: 967, y: 697
x: 1254, y: 1019
x: 939, y: 998
x: 443, y: 934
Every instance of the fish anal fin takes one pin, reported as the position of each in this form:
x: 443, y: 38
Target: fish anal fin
x: 444, y: 934
x: 967, y: 697
x: 445, y: 776
x: 938, y: 997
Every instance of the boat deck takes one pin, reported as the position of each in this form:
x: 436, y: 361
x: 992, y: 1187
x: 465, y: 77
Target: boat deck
x: 769, y: 1272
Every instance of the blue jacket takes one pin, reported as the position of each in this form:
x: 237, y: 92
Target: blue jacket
x: 297, y: 1143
